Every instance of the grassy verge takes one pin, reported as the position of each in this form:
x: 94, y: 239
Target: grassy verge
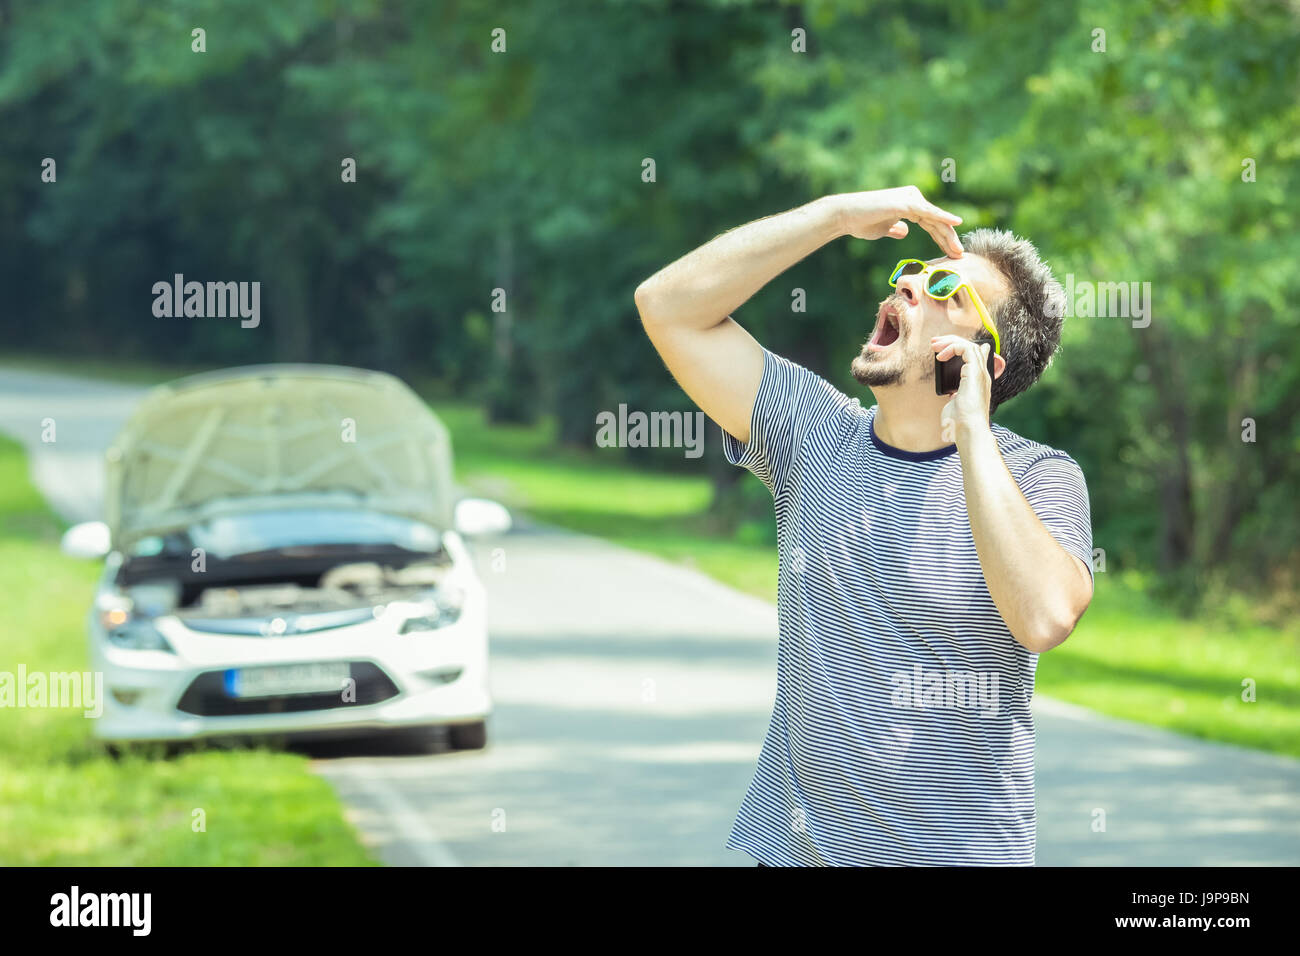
x: 128, y: 372
x: 65, y: 802
x: 1129, y: 657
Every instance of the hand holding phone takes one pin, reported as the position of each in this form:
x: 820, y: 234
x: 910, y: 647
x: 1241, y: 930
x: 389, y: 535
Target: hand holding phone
x: 947, y: 375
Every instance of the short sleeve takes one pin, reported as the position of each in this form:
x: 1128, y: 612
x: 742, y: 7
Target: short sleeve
x: 1055, y: 488
x: 792, y: 404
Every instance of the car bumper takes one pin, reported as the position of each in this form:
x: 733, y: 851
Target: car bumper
x: 454, y: 704
x: 147, y: 694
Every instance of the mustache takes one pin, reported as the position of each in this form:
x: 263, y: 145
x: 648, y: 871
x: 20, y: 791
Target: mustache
x: 895, y: 302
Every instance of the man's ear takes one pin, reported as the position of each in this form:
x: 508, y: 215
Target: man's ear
x: 999, y: 365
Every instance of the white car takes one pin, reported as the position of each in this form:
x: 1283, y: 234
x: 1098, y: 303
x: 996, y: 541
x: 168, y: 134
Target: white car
x: 283, y: 557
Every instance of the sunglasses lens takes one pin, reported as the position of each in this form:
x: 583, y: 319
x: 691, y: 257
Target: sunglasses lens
x: 943, y: 283
x: 905, y: 269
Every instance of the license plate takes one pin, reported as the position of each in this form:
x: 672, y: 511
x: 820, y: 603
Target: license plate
x: 287, y: 679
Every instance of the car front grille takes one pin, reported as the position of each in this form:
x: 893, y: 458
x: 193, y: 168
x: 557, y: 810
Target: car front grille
x: 286, y: 625
x: 207, y: 697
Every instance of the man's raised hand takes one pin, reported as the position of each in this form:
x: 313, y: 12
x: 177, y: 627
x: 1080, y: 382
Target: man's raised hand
x: 886, y: 212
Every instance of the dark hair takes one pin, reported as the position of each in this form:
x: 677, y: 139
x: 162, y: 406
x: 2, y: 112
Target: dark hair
x: 1029, y: 317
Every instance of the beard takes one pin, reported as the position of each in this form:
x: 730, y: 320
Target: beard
x: 875, y: 371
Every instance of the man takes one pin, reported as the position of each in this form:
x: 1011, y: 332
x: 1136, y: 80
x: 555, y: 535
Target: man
x: 927, y: 556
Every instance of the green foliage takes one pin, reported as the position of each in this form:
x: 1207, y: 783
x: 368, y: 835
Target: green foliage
x: 522, y: 171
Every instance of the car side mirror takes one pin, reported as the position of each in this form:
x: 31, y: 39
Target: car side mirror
x: 478, y: 516
x: 90, y: 540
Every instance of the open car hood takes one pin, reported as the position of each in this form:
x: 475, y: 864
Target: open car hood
x: 276, y: 436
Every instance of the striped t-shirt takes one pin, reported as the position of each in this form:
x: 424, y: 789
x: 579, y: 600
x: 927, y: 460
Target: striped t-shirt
x: 901, y: 732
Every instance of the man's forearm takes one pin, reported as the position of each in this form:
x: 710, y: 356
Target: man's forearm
x: 703, y: 287
x: 1040, y: 589
x: 686, y: 306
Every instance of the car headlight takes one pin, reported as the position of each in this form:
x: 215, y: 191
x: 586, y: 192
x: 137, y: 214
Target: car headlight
x: 139, y: 636
x: 445, y: 609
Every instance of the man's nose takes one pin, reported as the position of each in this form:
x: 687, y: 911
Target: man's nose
x: 909, y: 287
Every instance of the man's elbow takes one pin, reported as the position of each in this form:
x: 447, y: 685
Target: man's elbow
x: 644, y: 299
x: 1051, y: 630
x: 1042, y: 640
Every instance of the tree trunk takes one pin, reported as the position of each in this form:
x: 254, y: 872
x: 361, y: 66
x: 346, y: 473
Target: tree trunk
x: 512, y: 384
x: 1177, y: 517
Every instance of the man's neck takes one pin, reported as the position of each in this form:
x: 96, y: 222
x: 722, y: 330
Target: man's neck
x: 909, y: 421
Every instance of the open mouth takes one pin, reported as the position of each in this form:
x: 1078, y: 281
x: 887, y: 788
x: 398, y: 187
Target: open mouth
x: 887, y: 332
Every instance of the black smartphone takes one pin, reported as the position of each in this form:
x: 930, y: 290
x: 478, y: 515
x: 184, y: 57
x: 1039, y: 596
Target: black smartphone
x: 947, y: 375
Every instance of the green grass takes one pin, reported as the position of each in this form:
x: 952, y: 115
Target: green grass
x: 1129, y: 657
x: 65, y: 802
x: 128, y: 371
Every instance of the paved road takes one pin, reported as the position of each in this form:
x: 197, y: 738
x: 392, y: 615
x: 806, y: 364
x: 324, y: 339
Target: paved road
x: 631, y: 699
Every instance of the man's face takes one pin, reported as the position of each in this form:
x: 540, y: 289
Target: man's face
x: 898, y: 352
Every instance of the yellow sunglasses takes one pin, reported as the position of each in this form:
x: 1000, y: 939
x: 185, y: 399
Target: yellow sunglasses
x: 941, y: 283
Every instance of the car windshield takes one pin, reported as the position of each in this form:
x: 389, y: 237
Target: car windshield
x: 233, y: 535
